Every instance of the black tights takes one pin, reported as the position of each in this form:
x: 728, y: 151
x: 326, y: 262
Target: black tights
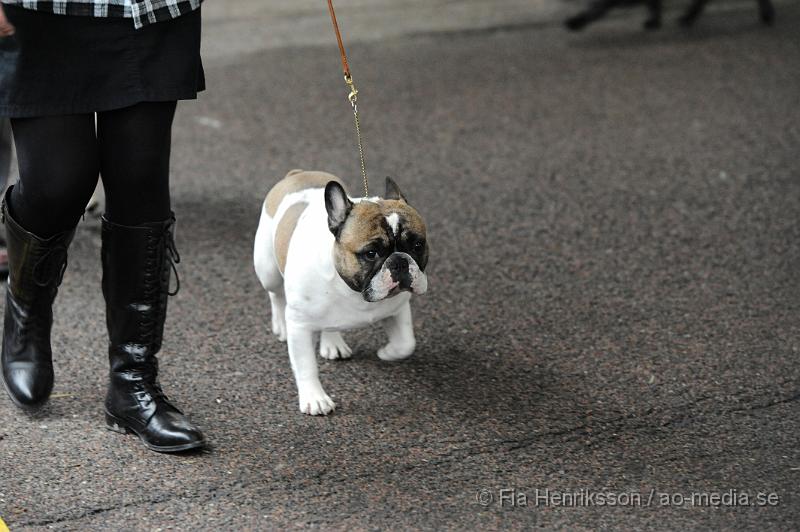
x: 60, y: 158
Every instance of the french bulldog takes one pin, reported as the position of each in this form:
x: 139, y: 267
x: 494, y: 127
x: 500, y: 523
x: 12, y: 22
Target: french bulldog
x: 332, y: 263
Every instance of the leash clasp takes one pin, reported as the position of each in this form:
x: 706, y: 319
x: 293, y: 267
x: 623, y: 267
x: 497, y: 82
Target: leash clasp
x: 353, y: 96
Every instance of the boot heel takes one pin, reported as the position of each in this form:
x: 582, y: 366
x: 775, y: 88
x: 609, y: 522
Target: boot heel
x: 116, y: 424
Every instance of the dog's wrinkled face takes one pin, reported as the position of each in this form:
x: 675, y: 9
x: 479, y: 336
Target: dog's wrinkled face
x: 381, y: 247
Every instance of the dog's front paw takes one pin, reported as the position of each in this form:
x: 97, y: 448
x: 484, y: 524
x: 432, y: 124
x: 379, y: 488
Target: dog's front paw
x: 333, y: 346
x: 396, y: 351
x: 314, y: 401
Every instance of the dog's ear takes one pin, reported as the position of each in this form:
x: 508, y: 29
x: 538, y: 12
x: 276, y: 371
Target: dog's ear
x: 393, y: 191
x: 338, y: 206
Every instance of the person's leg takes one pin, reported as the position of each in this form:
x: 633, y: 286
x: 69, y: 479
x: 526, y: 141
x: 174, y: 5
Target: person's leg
x: 596, y: 10
x: 766, y: 11
x: 654, y: 9
x: 5, y: 167
x: 5, y: 151
x: 692, y: 12
x: 138, y: 256
x: 58, y: 169
x: 135, y: 147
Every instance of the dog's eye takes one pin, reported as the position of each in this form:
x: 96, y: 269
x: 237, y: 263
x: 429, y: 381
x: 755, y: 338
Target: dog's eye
x: 419, y: 245
x: 371, y: 254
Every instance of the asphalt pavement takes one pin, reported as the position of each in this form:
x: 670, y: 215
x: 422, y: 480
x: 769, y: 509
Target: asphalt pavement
x: 611, y: 334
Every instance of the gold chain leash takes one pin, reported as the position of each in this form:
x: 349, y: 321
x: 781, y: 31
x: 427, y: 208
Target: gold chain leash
x: 352, y: 97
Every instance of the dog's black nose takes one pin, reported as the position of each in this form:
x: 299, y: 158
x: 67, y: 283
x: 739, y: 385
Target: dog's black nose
x: 398, y: 265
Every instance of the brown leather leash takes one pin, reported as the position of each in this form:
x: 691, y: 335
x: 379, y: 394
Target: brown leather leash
x: 352, y: 97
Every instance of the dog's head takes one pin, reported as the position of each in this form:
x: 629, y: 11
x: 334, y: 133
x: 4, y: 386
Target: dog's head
x: 381, y: 247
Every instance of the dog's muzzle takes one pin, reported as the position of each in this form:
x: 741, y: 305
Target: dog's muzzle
x: 399, y: 273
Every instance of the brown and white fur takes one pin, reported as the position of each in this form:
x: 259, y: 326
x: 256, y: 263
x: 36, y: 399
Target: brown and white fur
x: 332, y: 263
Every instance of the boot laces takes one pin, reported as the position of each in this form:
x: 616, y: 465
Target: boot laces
x: 149, y: 390
x: 164, y: 243
x: 153, y: 287
x: 173, y: 257
x: 44, y: 276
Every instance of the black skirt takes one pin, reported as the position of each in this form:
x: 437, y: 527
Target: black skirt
x: 62, y: 64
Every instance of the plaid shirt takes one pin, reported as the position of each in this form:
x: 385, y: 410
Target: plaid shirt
x: 141, y: 11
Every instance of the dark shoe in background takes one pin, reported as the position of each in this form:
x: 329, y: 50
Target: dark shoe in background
x: 137, y: 263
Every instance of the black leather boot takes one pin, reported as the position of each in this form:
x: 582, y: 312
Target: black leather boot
x: 36, y: 267
x: 137, y: 262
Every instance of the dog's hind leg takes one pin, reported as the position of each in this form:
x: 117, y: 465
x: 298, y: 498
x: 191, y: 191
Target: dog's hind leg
x: 333, y: 346
x: 269, y: 275
x: 264, y: 261
x: 277, y: 301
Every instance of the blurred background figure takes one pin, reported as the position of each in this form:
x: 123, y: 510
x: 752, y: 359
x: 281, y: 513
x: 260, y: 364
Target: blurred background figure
x: 766, y: 12
x: 5, y: 169
x: 599, y: 8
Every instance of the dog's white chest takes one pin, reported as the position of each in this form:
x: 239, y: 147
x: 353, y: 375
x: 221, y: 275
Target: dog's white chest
x: 325, y: 308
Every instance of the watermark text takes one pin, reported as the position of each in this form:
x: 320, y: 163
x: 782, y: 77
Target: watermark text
x: 584, y: 497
